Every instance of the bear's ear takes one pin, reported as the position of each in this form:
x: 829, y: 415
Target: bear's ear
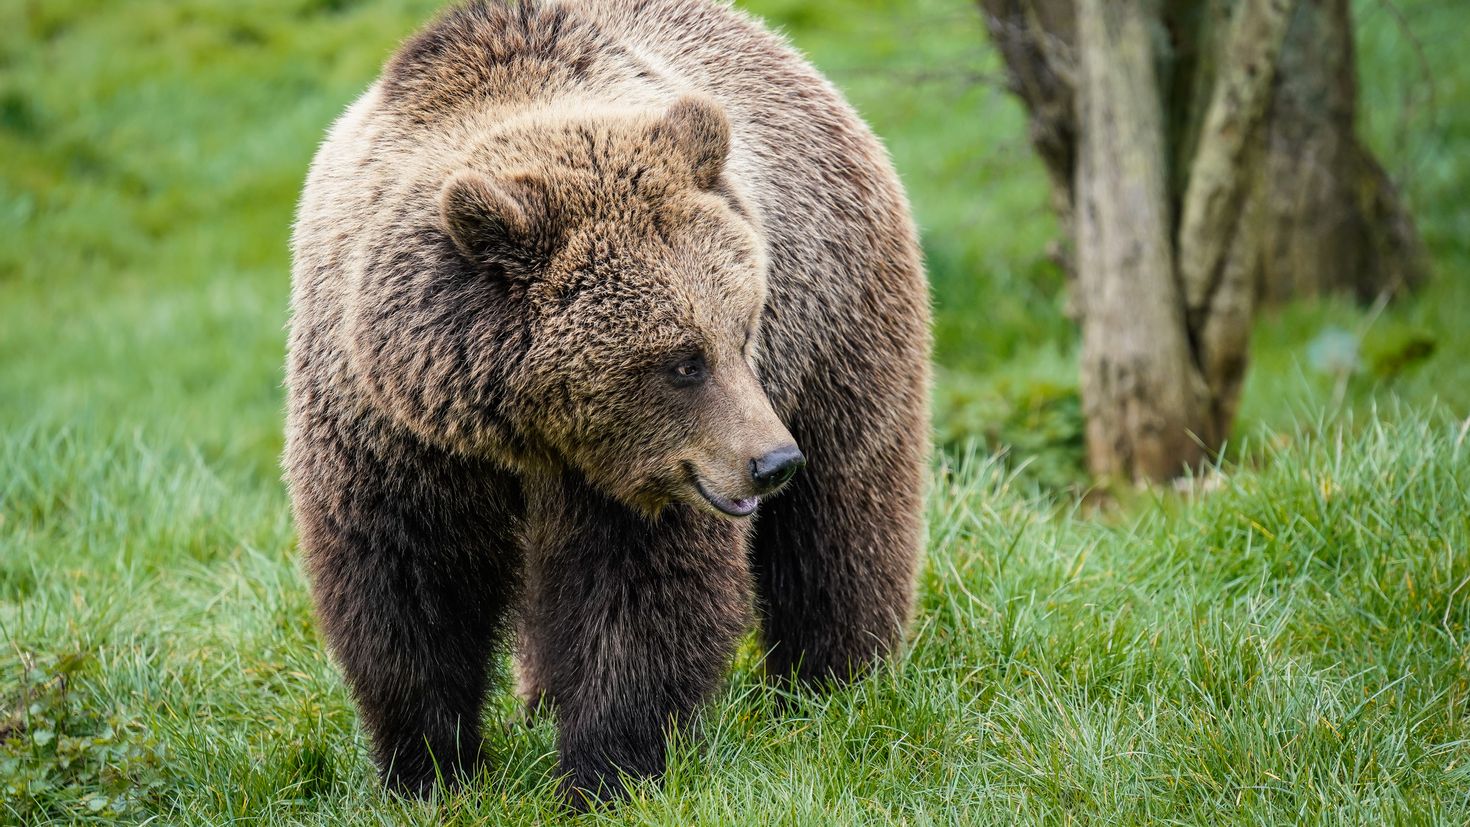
x: 698, y: 129
x: 487, y: 221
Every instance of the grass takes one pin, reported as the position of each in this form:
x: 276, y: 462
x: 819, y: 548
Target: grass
x: 1290, y: 648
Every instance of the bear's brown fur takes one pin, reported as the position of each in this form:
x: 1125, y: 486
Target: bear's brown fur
x: 564, y: 278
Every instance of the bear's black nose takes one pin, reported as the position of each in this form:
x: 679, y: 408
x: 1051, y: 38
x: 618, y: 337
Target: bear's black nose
x: 774, y: 469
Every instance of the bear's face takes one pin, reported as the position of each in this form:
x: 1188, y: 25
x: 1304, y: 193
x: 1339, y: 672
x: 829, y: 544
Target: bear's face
x: 643, y: 288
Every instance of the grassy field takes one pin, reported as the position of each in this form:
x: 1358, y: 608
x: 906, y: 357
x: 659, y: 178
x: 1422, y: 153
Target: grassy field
x: 1290, y: 648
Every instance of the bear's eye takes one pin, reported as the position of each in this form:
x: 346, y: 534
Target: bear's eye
x: 688, y: 372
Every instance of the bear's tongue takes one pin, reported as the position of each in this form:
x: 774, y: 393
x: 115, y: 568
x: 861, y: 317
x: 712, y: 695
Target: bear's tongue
x: 744, y: 505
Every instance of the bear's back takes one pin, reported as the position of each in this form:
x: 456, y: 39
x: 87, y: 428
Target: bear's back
x: 491, y: 60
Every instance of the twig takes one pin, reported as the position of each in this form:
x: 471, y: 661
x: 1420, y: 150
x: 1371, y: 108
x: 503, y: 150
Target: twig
x: 1431, y: 98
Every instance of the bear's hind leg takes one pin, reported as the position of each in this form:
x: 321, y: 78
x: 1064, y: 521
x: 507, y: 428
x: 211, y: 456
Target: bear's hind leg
x: 633, y: 623
x: 412, y: 565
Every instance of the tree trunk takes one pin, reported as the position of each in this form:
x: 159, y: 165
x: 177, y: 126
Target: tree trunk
x: 1332, y: 220
x: 1203, y: 159
x: 1141, y: 397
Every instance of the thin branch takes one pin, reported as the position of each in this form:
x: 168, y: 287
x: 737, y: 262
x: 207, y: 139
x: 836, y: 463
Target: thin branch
x: 914, y: 75
x: 1431, y: 98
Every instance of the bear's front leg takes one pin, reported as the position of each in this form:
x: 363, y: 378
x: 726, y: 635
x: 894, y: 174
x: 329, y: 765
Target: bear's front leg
x: 413, y: 563
x: 630, y: 625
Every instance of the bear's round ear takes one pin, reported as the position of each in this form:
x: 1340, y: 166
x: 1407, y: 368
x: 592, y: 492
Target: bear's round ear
x: 698, y: 128
x: 486, y: 221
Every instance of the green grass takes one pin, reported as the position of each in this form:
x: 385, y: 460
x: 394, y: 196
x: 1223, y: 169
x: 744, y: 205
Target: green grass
x: 1289, y: 648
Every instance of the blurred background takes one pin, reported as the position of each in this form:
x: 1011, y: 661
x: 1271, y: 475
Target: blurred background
x: 151, y: 155
x: 156, y: 644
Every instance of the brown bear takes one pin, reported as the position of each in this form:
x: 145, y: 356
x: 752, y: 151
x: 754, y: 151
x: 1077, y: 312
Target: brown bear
x: 577, y: 288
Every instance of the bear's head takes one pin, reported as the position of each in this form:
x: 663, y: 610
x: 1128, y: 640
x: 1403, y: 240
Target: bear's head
x: 642, y: 282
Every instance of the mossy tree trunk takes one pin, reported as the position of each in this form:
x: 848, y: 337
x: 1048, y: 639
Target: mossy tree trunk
x: 1203, y: 158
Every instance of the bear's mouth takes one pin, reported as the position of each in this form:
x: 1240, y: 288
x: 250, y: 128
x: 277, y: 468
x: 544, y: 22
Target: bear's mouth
x: 742, y: 507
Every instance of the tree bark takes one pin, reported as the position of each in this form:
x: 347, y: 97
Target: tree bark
x: 1140, y: 391
x: 1203, y: 159
x: 1332, y: 220
x: 1220, y: 228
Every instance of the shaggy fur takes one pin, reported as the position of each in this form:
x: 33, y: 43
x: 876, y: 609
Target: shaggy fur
x: 561, y: 276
